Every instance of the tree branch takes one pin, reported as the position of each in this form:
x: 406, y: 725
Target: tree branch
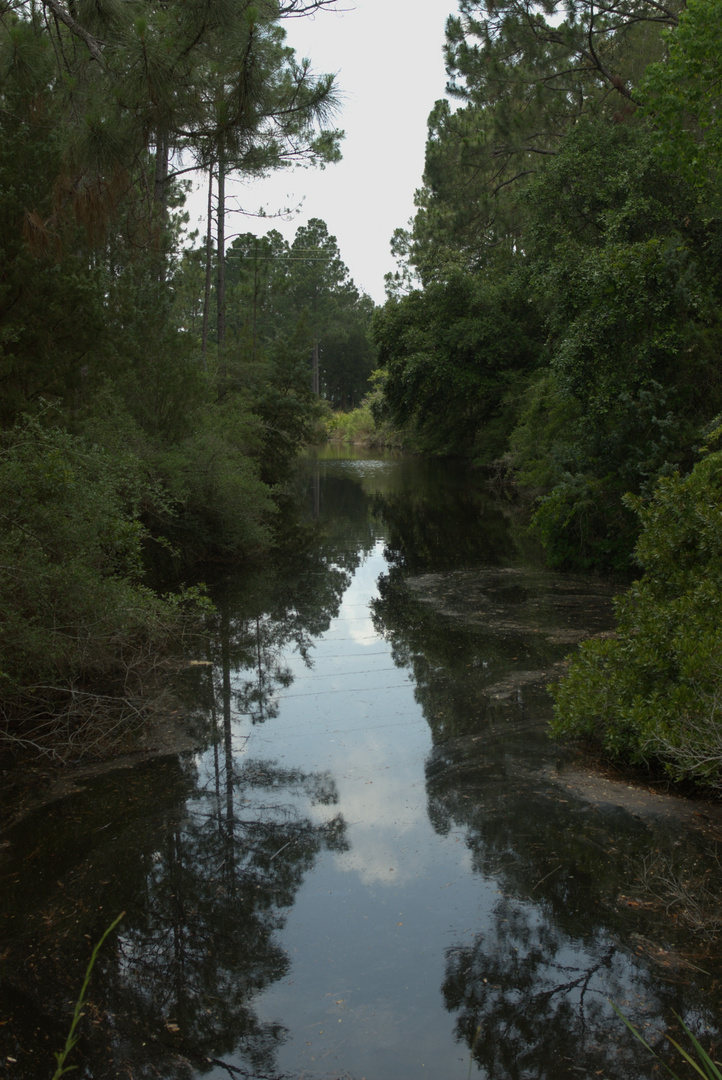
x: 75, y: 28
x: 615, y: 80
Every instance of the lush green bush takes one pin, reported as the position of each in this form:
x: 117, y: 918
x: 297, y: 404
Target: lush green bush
x: 455, y: 357
x: 583, y: 522
x: 203, y: 496
x: 624, y: 266
x: 352, y: 427
x: 653, y: 692
x: 80, y: 634
x: 221, y: 507
x: 357, y: 427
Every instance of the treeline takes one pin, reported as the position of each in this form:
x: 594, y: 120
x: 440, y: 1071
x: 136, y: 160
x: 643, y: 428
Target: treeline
x: 151, y: 400
x: 566, y: 249
x: 283, y: 300
x: 556, y: 315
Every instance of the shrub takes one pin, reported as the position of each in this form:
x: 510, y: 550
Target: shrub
x: 654, y: 692
x: 221, y: 507
x: 80, y: 634
x: 353, y: 427
x: 366, y: 426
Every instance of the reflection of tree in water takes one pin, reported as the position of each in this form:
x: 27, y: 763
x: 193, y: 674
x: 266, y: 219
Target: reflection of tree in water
x: 561, y: 939
x: 467, y: 678
x: 266, y: 614
x: 194, y: 957
x: 204, y: 943
x: 206, y: 863
x: 262, y: 617
x: 444, y: 524
x: 539, y: 1003
x: 338, y: 521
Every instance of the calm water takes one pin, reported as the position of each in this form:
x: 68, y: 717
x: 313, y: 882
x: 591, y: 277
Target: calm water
x: 377, y: 866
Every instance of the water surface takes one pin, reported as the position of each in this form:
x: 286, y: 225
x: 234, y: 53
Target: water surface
x: 376, y: 866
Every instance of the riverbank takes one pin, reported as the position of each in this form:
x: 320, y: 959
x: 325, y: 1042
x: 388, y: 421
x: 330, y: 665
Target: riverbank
x: 369, y: 821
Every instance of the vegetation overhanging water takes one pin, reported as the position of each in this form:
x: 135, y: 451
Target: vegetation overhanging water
x: 375, y: 864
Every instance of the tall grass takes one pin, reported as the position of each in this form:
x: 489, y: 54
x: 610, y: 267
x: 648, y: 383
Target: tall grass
x: 699, y: 1059
x: 72, y: 1039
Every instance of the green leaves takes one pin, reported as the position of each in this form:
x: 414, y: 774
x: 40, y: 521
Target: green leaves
x: 631, y: 292
x: 452, y: 356
x: 526, y: 77
x: 683, y: 97
x: 655, y: 690
x: 701, y: 1062
x: 72, y: 1039
x: 81, y: 633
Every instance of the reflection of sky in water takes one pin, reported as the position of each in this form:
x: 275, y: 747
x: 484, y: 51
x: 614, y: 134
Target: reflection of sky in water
x: 354, y: 714
x: 376, y: 952
x: 375, y: 931
x: 366, y: 927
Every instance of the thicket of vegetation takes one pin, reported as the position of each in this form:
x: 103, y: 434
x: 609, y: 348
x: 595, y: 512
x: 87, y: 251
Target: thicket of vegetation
x: 566, y: 258
x: 653, y: 692
x: 152, y: 398
x: 557, y: 314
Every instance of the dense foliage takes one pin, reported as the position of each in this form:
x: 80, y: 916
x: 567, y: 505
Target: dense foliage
x: 652, y: 692
x: 151, y: 399
x: 557, y: 317
x: 286, y: 303
x: 84, y: 643
x: 566, y: 317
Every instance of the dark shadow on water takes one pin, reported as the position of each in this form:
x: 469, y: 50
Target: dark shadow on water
x: 207, y: 852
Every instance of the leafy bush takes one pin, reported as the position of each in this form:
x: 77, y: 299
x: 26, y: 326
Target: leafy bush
x: 357, y: 426
x: 80, y: 634
x: 583, y: 523
x: 221, y: 507
x: 453, y: 355
x: 654, y: 691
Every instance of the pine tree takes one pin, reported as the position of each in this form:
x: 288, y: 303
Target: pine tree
x: 523, y: 75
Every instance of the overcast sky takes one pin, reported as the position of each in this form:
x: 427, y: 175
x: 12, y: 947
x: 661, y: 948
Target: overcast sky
x: 387, y: 56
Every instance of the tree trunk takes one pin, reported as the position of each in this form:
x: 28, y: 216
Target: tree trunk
x: 230, y: 822
x: 209, y: 261
x: 316, y: 379
x: 160, y: 198
x: 221, y: 272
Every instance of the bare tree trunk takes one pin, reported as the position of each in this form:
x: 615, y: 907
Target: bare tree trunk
x: 161, y: 174
x: 316, y: 379
x: 221, y: 271
x: 255, y: 298
x: 209, y: 260
x: 230, y: 822
x: 160, y: 197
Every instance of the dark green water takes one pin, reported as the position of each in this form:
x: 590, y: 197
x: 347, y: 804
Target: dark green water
x: 376, y: 866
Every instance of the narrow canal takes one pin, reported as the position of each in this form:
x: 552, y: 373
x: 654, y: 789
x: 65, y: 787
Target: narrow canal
x: 374, y: 865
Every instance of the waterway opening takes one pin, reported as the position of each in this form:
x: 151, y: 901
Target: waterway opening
x: 374, y: 864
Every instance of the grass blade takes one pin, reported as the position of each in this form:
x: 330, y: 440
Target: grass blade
x: 643, y: 1041
x: 62, y: 1069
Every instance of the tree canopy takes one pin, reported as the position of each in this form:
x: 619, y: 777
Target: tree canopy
x: 149, y: 407
x: 556, y: 318
x: 574, y: 170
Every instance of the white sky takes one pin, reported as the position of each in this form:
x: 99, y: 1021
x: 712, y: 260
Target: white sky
x: 387, y: 55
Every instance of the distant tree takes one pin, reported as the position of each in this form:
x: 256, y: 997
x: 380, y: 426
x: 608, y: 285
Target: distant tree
x: 335, y: 316
x: 453, y: 356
